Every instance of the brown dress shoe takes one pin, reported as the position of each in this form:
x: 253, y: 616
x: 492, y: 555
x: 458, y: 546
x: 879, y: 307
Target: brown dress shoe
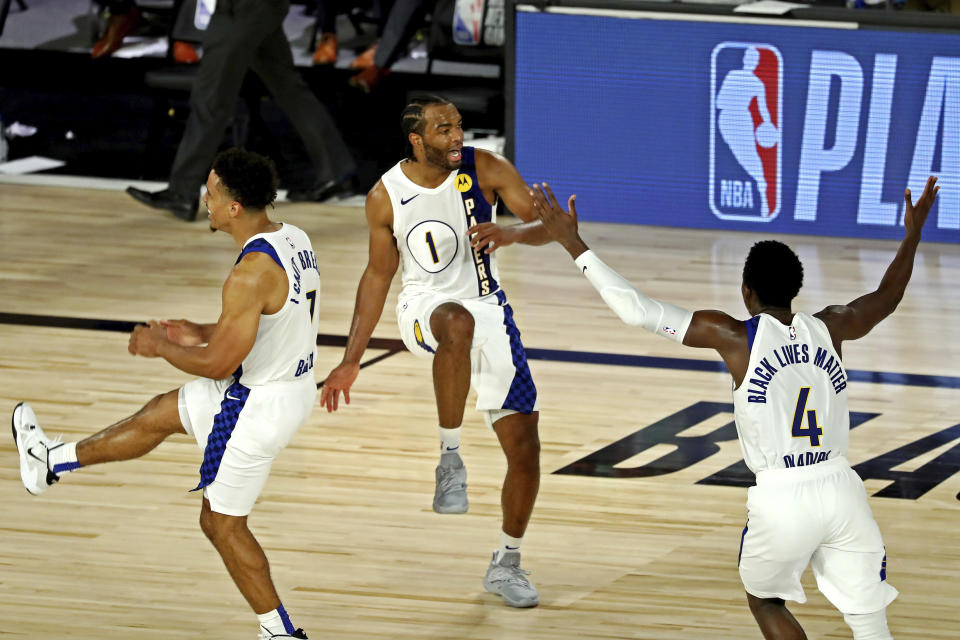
x: 184, y: 53
x: 326, y: 52
x: 118, y: 27
x: 369, y: 78
x: 365, y: 59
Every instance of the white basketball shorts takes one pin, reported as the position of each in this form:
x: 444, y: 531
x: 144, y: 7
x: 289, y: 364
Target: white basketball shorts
x: 816, y: 515
x: 498, y: 362
x: 241, y: 431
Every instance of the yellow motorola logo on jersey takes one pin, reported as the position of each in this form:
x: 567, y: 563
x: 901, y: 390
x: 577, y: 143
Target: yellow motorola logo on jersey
x: 464, y: 183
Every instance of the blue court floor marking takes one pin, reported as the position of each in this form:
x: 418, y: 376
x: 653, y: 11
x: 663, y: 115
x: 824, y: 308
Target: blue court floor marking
x: 689, y: 364
x: 394, y: 345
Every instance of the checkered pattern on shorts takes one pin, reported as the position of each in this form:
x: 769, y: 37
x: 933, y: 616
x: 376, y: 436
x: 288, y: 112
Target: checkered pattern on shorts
x: 522, y: 396
x: 223, y: 423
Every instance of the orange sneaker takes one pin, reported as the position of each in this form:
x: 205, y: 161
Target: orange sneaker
x: 369, y: 78
x: 365, y: 59
x: 326, y: 52
x: 118, y: 27
x: 184, y: 53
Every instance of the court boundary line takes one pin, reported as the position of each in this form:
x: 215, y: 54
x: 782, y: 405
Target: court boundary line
x: 395, y: 345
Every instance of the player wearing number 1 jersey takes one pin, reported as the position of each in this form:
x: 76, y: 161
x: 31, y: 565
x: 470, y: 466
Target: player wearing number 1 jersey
x: 790, y: 403
x: 255, y: 386
x: 434, y: 215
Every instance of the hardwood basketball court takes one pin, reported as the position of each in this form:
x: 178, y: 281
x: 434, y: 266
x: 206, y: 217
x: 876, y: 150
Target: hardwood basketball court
x: 639, y: 548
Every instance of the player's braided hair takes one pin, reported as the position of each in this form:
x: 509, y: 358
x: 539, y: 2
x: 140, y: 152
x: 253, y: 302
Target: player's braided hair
x: 250, y: 179
x: 412, y: 120
x: 774, y: 272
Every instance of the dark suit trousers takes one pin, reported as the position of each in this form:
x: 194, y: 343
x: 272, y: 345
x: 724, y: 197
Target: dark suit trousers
x: 248, y: 35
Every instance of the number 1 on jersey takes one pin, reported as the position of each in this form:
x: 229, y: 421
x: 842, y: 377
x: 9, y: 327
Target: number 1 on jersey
x: 433, y: 248
x: 812, y: 430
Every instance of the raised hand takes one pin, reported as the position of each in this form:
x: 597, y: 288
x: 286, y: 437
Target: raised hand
x: 340, y: 379
x: 915, y: 215
x: 561, y: 225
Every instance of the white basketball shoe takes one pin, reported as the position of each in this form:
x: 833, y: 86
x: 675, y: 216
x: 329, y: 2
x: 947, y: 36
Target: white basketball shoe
x: 266, y: 635
x: 33, y: 446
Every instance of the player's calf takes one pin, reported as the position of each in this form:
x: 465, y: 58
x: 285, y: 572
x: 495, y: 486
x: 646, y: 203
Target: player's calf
x: 775, y: 621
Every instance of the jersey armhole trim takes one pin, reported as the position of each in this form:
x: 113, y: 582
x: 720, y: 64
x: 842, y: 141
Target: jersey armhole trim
x: 752, y: 324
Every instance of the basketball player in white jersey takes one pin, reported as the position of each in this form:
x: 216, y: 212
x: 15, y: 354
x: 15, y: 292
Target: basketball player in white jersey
x: 434, y: 214
x: 790, y: 407
x: 256, y: 386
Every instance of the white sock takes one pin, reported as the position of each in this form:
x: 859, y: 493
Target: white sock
x: 507, y: 543
x: 276, y: 622
x: 868, y: 626
x: 450, y: 440
x: 62, y: 458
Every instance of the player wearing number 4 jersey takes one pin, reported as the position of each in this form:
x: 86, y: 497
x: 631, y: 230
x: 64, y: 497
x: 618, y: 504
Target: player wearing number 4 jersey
x: 256, y: 385
x: 434, y: 214
x: 790, y: 405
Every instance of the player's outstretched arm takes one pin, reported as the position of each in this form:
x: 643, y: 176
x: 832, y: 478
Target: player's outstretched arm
x: 856, y: 319
x: 706, y: 329
x: 372, y: 291
x: 499, y: 174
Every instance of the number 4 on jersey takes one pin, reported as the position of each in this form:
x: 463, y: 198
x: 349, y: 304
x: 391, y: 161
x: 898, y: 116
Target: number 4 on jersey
x: 812, y: 430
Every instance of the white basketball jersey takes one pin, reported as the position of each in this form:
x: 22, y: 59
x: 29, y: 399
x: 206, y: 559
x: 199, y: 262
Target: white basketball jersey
x: 286, y: 344
x: 791, y: 409
x: 430, y: 226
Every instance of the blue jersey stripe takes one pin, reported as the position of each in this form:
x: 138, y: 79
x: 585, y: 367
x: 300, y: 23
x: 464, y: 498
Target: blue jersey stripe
x: 751, y: 325
x: 262, y: 246
x: 481, y: 211
x: 742, y: 536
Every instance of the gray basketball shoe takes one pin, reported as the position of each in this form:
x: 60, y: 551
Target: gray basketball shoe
x: 33, y: 446
x: 505, y: 578
x: 450, y: 495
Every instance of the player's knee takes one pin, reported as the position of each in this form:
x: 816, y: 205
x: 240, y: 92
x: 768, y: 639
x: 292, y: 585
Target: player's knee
x: 759, y: 606
x: 207, y: 525
x: 216, y: 526
x: 868, y: 626
x: 523, y: 450
x: 153, y: 406
x: 452, y: 323
x: 161, y: 414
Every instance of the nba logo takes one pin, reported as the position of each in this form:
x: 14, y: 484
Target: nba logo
x: 746, y: 86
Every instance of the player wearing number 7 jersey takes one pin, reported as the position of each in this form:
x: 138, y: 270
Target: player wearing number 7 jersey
x: 790, y: 402
x: 434, y: 215
x: 255, y: 386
